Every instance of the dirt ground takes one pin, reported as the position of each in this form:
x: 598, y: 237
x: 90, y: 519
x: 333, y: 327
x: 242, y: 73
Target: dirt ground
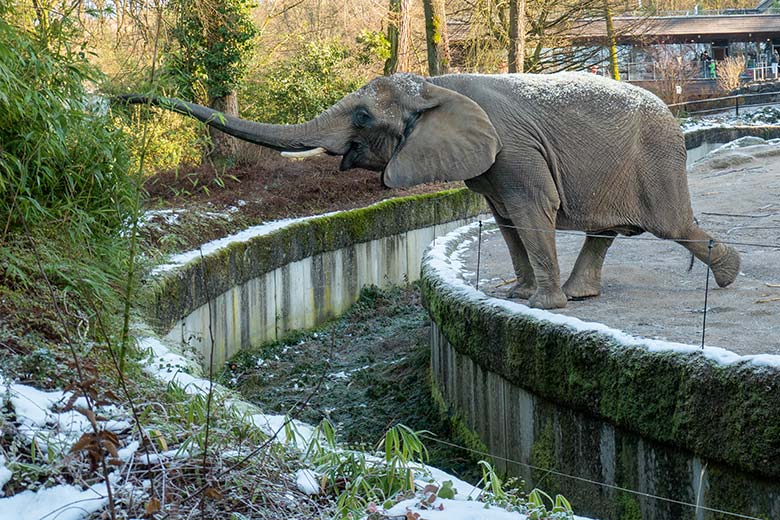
x: 647, y: 289
x: 367, y: 371
x: 194, y: 205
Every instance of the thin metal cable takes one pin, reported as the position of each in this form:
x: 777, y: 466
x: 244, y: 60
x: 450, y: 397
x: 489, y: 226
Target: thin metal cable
x: 590, y: 481
x: 479, y: 252
x: 653, y: 239
x: 706, y: 293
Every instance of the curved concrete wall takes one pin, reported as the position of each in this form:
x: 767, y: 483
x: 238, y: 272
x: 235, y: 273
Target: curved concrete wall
x: 300, y: 276
x: 554, y: 393
x: 665, y: 424
x: 701, y: 142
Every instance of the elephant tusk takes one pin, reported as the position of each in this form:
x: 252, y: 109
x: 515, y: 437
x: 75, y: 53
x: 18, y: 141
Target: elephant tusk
x: 306, y: 153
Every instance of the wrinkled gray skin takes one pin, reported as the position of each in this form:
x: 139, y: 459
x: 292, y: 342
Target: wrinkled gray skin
x: 565, y: 151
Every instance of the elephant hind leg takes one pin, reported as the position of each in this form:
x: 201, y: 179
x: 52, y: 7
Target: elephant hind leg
x: 585, y: 278
x: 525, y: 286
x: 724, y: 260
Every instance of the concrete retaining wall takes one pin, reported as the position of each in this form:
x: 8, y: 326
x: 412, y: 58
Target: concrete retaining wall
x: 673, y: 423
x: 701, y: 142
x: 299, y: 276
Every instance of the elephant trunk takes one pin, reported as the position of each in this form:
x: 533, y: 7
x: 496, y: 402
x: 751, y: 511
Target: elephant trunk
x: 296, y: 140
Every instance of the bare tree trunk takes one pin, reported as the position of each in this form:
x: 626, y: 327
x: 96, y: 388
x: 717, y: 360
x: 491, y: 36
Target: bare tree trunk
x: 399, y: 35
x: 436, y: 37
x: 516, y: 35
x: 613, y: 61
x: 224, y: 145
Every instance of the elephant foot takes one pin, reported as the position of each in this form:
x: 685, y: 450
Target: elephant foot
x: 522, y: 290
x: 726, y: 266
x: 548, y: 299
x: 579, y: 289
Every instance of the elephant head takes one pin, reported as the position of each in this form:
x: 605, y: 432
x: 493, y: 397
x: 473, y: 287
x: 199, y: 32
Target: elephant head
x: 404, y: 126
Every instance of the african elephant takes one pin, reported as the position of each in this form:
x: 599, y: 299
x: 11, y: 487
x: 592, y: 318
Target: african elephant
x: 563, y: 151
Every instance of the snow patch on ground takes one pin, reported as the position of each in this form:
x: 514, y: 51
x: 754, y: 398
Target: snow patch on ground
x: 763, y: 116
x: 39, y: 422
x: 449, y: 509
x: 442, y: 260
x: 62, y: 502
x: 215, y: 245
x: 308, y: 482
x: 5, y: 475
x: 181, y: 259
x: 286, y: 430
x: 53, y: 430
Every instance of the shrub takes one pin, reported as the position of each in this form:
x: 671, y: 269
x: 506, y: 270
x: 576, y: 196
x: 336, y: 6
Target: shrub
x: 729, y: 73
x: 62, y: 162
x: 300, y: 87
x: 65, y: 192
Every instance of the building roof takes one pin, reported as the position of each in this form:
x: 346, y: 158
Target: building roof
x: 682, y: 29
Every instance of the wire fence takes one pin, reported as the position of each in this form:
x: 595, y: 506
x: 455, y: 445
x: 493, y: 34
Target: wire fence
x: 726, y: 103
x: 708, y: 262
x: 695, y: 506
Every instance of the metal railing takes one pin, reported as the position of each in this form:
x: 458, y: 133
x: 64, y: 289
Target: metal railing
x: 654, y: 71
x: 706, y: 12
x: 725, y: 103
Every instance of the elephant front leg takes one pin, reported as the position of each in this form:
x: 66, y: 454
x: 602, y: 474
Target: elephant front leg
x: 585, y: 278
x: 525, y: 285
x: 540, y: 246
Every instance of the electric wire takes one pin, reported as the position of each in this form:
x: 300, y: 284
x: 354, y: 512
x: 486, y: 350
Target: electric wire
x: 590, y: 481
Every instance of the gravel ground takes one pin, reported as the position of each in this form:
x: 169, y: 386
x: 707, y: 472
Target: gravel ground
x: 647, y: 289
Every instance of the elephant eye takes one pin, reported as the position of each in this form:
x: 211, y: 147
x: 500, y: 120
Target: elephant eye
x: 361, y: 118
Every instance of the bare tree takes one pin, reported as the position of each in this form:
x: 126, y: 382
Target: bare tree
x: 399, y: 33
x: 611, y: 41
x: 436, y: 37
x: 516, y: 35
x: 674, y: 72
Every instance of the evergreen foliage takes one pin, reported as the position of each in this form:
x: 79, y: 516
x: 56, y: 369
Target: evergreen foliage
x: 62, y: 163
x: 309, y: 82
x: 213, y: 41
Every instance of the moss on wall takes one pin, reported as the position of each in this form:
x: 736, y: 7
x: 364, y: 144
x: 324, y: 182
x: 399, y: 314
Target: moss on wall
x: 168, y: 298
x: 684, y: 400
x: 463, y: 435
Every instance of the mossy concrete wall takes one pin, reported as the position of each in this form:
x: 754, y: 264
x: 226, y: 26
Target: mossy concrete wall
x: 298, y: 277
x: 701, y: 142
x: 676, y: 425
x: 517, y: 425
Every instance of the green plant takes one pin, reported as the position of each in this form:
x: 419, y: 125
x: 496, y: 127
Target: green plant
x: 296, y: 89
x: 357, y: 478
x: 560, y: 508
x: 374, y: 46
x: 213, y: 41
x: 508, y: 496
x: 62, y: 162
x: 65, y: 193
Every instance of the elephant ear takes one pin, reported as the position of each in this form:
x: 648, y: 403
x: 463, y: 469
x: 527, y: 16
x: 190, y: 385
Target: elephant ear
x: 453, y: 140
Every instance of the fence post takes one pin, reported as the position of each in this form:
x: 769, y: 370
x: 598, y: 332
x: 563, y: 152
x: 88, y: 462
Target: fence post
x: 736, y: 104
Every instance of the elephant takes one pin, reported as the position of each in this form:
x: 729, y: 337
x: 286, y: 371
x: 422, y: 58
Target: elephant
x: 567, y: 151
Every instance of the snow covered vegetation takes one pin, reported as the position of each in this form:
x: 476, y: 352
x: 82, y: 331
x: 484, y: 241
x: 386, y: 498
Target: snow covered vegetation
x: 95, y: 462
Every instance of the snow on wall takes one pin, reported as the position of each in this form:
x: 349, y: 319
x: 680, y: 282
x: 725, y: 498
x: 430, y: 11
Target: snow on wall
x: 441, y: 261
